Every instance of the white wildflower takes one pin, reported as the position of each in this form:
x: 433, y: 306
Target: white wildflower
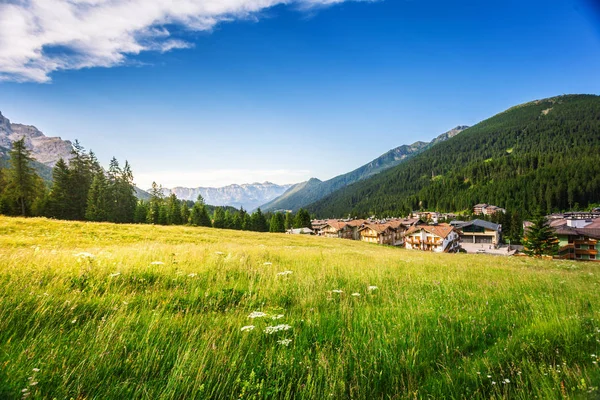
x: 268, y: 263
x: 247, y: 328
x: 84, y: 255
x: 219, y: 253
x: 337, y: 291
x: 284, y: 273
x: 355, y: 294
x: 36, y: 370
x: 192, y: 275
x: 506, y: 381
x: 157, y: 263
x: 75, y: 320
x: 284, y: 342
x: 493, y: 383
x: 33, y: 383
x: 257, y: 314
x: 278, y: 316
x: 273, y: 329
x: 489, y: 377
x: 115, y: 274
x: 371, y: 288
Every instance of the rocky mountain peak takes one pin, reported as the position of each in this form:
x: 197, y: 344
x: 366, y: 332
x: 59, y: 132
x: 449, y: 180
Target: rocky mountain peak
x: 46, y: 150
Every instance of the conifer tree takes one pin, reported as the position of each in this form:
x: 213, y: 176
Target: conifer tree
x: 277, y: 223
x: 228, y: 219
x: 540, y: 238
x: 23, y: 185
x: 219, y: 218
x: 141, y: 212
x: 289, y: 221
x: 59, y: 204
x: 98, y: 206
x: 80, y: 177
x: 258, y: 222
x: 302, y: 219
x: 185, y: 213
x: 155, y: 203
x: 173, y: 210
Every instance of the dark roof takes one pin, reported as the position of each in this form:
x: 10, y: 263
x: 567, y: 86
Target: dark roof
x: 568, y: 231
x: 476, y: 222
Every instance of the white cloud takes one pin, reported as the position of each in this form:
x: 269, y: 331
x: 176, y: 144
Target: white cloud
x: 38, y: 37
x: 219, y: 178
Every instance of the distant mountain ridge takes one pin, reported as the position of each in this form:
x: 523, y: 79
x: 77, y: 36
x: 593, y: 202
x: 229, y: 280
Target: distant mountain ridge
x: 250, y: 195
x: 46, y: 150
x: 543, y: 156
x: 305, y: 193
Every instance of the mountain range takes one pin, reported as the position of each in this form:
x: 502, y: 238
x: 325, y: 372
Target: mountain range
x: 305, y: 193
x: 249, y: 196
x: 542, y: 156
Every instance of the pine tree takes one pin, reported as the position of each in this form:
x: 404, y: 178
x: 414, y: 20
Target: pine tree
x: 258, y: 222
x: 173, y: 210
x: 289, y: 221
x: 155, y: 203
x: 141, y: 212
x: 277, y: 223
x: 237, y: 221
x: 23, y: 185
x: 98, y: 206
x: 228, y: 219
x: 302, y: 219
x: 59, y: 204
x: 185, y: 213
x: 540, y: 239
x: 199, y: 215
x: 219, y: 218
x: 81, y: 175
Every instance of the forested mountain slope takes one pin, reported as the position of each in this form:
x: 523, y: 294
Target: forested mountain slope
x: 543, y: 154
x: 310, y: 191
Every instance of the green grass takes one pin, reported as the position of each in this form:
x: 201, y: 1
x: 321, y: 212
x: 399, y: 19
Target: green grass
x: 436, y: 326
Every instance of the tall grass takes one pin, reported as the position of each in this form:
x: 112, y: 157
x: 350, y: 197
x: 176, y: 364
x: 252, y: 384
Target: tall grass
x: 157, y: 313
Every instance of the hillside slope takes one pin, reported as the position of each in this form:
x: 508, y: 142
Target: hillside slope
x: 544, y: 154
x: 308, y: 192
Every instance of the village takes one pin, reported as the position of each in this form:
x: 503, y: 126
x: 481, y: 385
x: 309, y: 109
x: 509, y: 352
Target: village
x: 577, y: 233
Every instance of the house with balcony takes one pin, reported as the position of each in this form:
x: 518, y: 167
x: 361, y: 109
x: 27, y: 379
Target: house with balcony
x: 478, y: 231
x: 337, y: 229
x: 487, y: 209
x: 578, y: 239
x: 441, y: 238
x: 378, y: 233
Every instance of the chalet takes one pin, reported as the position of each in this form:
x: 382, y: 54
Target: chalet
x: 478, y: 231
x: 337, y: 229
x: 578, y: 239
x: 356, y: 225
x: 400, y: 226
x: 487, y: 209
x: 437, y: 238
x: 432, y: 216
x: 378, y: 233
x: 317, y: 225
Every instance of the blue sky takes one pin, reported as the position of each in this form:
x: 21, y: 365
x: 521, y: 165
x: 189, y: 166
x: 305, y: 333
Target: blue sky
x: 288, y: 92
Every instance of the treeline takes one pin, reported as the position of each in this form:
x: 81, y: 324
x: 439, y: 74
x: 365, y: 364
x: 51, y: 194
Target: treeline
x: 169, y: 210
x: 82, y: 190
x: 543, y: 157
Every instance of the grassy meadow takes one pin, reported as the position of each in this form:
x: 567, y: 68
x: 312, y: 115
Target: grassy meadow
x: 102, y: 311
